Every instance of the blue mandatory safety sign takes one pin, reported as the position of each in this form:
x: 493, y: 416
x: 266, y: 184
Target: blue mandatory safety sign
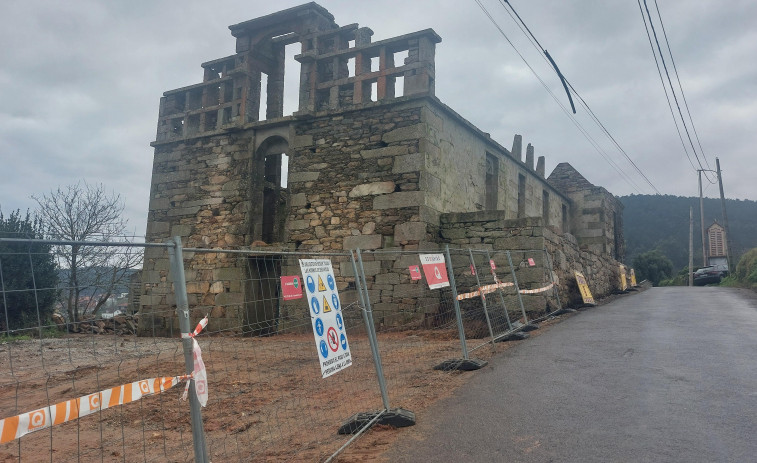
x: 335, y: 301
x: 314, y: 305
x: 324, y: 349
x: 311, y: 284
x: 330, y: 281
x: 319, y: 326
x: 339, y: 322
x: 343, y: 338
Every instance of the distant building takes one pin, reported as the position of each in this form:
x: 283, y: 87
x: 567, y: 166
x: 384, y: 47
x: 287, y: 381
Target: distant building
x: 717, y: 252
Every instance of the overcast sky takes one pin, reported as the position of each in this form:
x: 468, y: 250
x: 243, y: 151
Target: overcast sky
x: 80, y: 83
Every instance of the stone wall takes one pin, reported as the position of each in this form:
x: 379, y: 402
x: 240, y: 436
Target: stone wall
x: 493, y: 231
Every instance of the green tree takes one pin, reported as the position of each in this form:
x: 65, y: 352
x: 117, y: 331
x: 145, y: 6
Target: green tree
x: 28, y: 275
x: 653, y: 266
x: 746, y: 270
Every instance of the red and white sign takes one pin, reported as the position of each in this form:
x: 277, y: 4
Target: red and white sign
x: 415, y: 272
x: 472, y: 269
x: 291, y: 287
x: 531, y: 262
x: 491, y: 264
x: 435, y: 270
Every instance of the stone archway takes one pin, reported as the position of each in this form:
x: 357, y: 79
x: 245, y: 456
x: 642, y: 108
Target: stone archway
x: 270, y: 194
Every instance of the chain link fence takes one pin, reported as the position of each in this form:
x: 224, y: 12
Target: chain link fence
x: 119, y: 368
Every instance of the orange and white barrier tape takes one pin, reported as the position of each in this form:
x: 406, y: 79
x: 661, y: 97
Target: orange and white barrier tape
x: 20, y: 425
x: 199, y: 374
x: 486, y: 289
x: 537, y: 290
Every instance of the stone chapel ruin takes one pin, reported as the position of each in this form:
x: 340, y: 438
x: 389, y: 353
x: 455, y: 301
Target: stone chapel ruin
x: 375, y: 160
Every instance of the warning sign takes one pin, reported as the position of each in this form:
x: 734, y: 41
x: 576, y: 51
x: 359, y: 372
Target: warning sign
x: 325, y: 314
x: 291, y: 287
x: 531, y: 262
x: 415, y: 272
x: 583, y: 287
x: 435, y: 270
x: 633, y: 279
x: 623, y: 280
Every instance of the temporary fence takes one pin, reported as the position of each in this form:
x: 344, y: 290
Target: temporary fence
x: 281, y: 383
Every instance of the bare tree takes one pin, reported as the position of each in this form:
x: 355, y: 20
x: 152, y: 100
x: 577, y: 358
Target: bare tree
x: 86, y: 212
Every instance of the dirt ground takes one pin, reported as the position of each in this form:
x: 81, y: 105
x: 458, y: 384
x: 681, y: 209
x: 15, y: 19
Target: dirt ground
x: 267, y: 400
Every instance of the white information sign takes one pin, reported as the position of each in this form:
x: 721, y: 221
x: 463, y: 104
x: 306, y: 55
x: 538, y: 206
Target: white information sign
x: 326, y: 316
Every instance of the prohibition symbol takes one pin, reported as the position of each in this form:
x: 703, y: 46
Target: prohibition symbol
x: 321, y: 286
x: 311, y: 284
x: 326, y: 306
x: 323, y: 349
x: 335, y: 301
x: 315, y: 306
x: 331, y: 337
x: 319, y: 326
x: 339, y: 321
x: 343, y: 338
x: 330, y: 281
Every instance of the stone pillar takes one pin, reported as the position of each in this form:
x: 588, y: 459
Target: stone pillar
x: 363, y: 36
x: 540, y: 166
x: 530, y: 156
x: 517, y: 150
x: 275, y: 90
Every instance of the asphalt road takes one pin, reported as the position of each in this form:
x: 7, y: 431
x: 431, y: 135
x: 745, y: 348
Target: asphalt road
x: 666, y: 375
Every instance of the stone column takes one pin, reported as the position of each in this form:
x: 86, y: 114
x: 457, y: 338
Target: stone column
x: 530, y: 157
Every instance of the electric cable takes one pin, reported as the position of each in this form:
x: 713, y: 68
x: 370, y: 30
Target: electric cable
x: 542, y: 51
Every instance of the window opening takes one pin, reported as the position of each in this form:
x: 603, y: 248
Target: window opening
x: 399, y: 86
x: 521, y: 195
x: 491, y: 187
x: 374, y: 64
x: 374, y: 91
x: 263, y: 96
x: 291, y: 78
x: 399, y: 58
x: 565, y: 219
x: 351, y: 67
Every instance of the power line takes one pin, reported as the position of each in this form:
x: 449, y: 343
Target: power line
x: 675, y: 69
x: 670, y: 83
x: 664, y: 88
x: 575, y: 122
x: 543, y: 52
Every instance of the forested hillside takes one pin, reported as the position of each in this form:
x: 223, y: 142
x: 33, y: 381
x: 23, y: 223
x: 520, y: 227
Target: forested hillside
x: 662, y: 223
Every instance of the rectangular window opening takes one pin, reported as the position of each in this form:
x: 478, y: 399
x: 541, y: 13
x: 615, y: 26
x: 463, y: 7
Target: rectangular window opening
x: 284, y: 170
x: 565, y: 219
x: 291, y: 78
x: 263, y: 96
x: 521, y: 195
x: 399, y: 86
x: 399, y: 58
x: 374, y: 64
x: 374, y: 91
x: 491, y: 186
x: 351, y: 67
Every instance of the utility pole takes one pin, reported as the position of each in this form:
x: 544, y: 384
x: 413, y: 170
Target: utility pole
x: 691, y: 246
x: 701, y: 218
x: 725, y: 219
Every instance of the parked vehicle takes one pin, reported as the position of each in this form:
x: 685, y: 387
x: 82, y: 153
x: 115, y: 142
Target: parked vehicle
x: 710, y: 274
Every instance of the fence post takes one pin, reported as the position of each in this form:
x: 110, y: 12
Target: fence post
x: 482, y: 295
x: 552, y: 279
x: 460, y: 329
x: 517, y: 288
x: 369, y: 325
x: 499, y: 292
x: 176, y: 259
